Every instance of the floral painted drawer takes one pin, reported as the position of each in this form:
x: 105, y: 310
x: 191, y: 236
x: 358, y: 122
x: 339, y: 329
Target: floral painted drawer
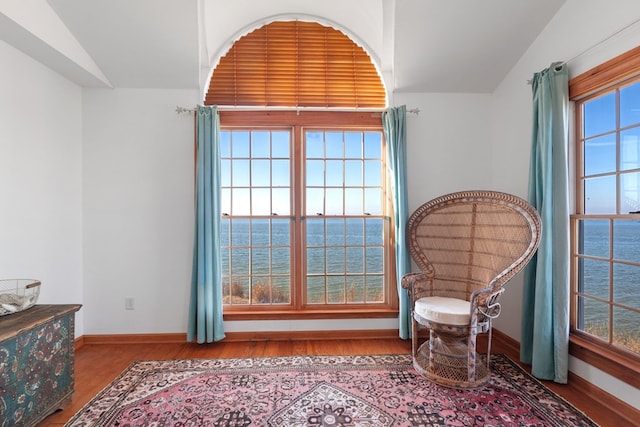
x: 36, y: 363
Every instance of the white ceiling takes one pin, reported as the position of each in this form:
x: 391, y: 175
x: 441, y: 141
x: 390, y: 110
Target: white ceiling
x: 429, y: 45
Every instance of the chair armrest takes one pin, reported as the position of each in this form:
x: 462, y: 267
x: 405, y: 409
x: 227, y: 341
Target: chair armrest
x: 485, y: 302
x: 413, y: 283
x: 410, y: 279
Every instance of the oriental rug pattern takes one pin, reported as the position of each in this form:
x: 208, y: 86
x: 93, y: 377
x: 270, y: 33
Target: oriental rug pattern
x: 377, y: 390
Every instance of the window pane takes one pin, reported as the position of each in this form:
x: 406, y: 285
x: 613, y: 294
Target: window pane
x: 373, y: 145
x: 355, y: 289
x: 315, y: 201
x: 260, y: 232
x: 600, y: 195
x: 240, y: 173
x: 372, y: 173
x: 315, y: 232
x: 335, y: 290
x: 335, y: 232
x: 315, y: 261
x: 353, y: 201
x: 630, y: 192
x: 280, y: 261
x: 260, y: 201
x: 353, y: 173
x: 225, y: 173
x: 596, y: 317
x: 240, y: 261
x: 259, y: 261
x: 595, y: 278
x: 353, y: 145
x: 600, y: 155
x: 240, y: 144
x: 595, y: 238
x: 240, y: 232
x: 281, y: 286
x: 237, y: 291
x: 374, y: 260
x: 355, y: 260
x: 625, y: 285
x: 375, y: 288
x: 630, y: 105
x: 260, y: 290
x: 626, y: 332
x: 314, y: 145
x: 335, y: 260
x: 375, y: 229
x: 260, y: 173
x: 315, y: 173
x: 224, y: 232
x: 240, y: 201
x: 260, y: 144
x: 600, y: 115
x: 334, y: 145
x: 335, y: 198
x: 281, y: 199
x: 280, y: 175
x: 225, y: 144
x: 334, y: 173
x: 630, y: 149
x: 280, y: 145
x: 626, y: 242
x: 280, y: 232
x: 373, y: 201
x: 355, y: 232
x: 225, y: 201
x: 315, y: 289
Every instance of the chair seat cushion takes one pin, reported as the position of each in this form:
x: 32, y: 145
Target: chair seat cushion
x: 451, y: 311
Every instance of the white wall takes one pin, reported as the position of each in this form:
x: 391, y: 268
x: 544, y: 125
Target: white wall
x: 574, y: 35
x: 446, y: 144
x: 40, y: 178
x: 137, y: 179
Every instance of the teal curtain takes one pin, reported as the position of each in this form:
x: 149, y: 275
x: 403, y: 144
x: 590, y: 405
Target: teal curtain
x: 205, y: 310
x: 395, y: 132
x: 545, y: 309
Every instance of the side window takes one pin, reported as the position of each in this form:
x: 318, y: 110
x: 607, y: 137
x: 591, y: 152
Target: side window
x: 606, y: 228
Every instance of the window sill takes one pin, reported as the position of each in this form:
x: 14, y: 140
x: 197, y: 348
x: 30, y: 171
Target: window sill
x: 617, y: 363
x: 373, y: 313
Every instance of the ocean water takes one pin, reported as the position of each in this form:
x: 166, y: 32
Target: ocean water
x: 339, y: 267
x: 611, y: 276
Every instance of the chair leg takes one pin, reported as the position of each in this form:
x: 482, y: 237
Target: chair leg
x: 433, y: 337
x: 471, y: 358
x: 414, y: 337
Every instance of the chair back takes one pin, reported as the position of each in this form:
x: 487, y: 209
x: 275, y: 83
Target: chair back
x: 473, y: 240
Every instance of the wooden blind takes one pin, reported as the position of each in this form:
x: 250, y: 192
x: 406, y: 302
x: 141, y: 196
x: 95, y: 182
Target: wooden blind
x: 296, y: 64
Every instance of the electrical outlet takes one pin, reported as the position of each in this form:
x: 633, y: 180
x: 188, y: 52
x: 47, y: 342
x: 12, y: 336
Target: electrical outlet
x: 129, y: 303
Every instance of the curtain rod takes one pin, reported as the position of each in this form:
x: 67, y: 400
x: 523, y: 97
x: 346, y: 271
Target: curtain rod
x: 181, y: 110
x: 587, y: 50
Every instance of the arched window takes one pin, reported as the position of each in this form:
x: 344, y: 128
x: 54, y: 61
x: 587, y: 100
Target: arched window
x: 296, y: 64
x: 306, y: 227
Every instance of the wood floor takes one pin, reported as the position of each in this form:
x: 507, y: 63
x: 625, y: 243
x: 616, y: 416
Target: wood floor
x: 96, y: 365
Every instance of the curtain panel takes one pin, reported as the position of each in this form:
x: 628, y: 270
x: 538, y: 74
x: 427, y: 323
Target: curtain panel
x: 394, y: 124
x: 205, y: 323
x: 545, y: 303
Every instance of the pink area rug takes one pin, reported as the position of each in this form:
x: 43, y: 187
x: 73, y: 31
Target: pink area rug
x: 378, y: 390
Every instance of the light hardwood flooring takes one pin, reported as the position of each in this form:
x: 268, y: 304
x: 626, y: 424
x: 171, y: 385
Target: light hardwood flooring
x: 96, y: 365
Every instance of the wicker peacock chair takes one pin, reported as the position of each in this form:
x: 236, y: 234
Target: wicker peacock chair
x: 467, y: 246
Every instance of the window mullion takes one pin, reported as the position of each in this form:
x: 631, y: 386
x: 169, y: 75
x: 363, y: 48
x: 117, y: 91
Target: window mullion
x: 299, y: 223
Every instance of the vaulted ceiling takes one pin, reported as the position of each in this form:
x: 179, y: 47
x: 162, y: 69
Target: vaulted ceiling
x: 418, y: 45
